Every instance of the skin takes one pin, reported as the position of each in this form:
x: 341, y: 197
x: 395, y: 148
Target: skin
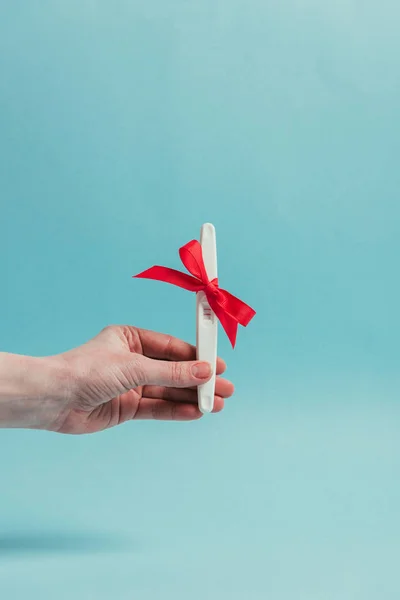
x: 123, y: 373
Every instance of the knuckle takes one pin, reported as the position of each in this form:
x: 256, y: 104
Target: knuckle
x: 135, y: 373
x: 168, y: 352
x: 109, y: 329
x: 177, y: 373
x: 157, y: 411
x: 174, y: 410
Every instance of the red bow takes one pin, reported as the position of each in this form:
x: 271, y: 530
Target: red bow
x: 230, y: 310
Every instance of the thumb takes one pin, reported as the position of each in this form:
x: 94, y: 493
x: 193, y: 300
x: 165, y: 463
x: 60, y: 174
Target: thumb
x: 173, y: 374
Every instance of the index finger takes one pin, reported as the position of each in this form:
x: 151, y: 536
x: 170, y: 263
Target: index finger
x: 166, y: 347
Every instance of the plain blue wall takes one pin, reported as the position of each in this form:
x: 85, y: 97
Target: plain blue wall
x: 123, y: 127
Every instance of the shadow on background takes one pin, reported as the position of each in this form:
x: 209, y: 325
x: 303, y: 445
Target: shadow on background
x: 63, y: 542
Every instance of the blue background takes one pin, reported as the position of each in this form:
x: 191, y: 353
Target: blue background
x: 123, y: 127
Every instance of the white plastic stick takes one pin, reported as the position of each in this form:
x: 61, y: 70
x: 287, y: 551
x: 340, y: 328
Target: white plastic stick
x: 207, y: 322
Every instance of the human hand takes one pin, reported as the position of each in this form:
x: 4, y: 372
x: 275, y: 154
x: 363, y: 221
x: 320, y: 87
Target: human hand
x: 127, y: 373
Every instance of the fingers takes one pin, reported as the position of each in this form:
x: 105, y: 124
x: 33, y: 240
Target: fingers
x: 166, y: 347
x: 178, y: 404
x: 159, y: 409
x: 223, y: 388
x: 147, y: 371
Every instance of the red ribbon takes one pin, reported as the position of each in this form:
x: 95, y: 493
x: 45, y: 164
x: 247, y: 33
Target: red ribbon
x: 230, y: 311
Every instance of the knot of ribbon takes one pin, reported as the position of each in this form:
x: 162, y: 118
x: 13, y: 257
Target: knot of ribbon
x: 230, y: 311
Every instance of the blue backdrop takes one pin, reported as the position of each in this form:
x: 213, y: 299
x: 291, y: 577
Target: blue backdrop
x: 124, y: 126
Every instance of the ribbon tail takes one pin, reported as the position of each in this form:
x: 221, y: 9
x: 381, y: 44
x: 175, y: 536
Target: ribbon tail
x: 230, y: 326
x: 172, y: 276
x: 237, y: 309
x: 229, y: 323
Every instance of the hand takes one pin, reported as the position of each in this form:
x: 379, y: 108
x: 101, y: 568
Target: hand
x: 127, y: 373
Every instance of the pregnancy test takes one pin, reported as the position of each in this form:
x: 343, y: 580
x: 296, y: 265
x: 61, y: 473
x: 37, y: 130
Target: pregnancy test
x: 206, y: 320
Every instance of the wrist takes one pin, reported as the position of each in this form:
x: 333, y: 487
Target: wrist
x: 33, y: 391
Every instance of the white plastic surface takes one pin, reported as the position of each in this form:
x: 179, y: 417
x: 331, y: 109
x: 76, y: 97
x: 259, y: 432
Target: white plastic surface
x: 207, y: 322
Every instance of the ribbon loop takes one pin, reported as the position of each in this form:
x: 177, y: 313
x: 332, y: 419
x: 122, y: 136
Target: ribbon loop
x: 192, y: 257
x: 230, y: 311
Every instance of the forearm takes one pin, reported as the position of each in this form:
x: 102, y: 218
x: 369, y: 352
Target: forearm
x: 32, y: 391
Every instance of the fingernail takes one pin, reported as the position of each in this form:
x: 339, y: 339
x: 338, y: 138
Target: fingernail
x: 201, y: 370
